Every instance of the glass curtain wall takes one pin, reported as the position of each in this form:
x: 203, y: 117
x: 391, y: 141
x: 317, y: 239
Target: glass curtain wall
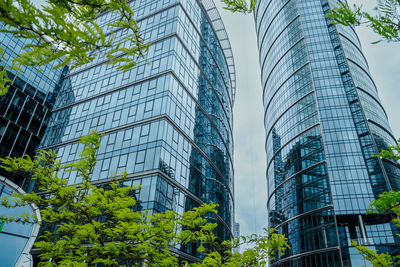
x: 26, y: 108
x: 24, y: 114
x: 167, y: 121
x: 323, y: 121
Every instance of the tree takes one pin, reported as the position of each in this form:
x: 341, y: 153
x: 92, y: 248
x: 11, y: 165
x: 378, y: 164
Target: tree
x: 240, y: 6
x: 376, y: 259
x: 385, y: 20
x: 67, y: 31
x: 86, y: 224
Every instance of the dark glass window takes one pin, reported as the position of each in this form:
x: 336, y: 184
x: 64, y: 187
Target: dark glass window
x: 6, y: 99
x: 37, y: 119
x: 20, y: 144
x: 15, y: 106
x: 8, y: 139
x: 27, y: 113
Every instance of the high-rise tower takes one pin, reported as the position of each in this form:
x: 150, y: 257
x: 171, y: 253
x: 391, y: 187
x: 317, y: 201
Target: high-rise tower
x: 24, y: 114
x: 167, y: 123
x: 323, y: 121
x: 25, y: 109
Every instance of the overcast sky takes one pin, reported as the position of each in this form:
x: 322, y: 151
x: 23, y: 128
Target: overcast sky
x: 249, y: 133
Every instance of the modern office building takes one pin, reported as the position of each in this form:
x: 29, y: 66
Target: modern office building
x: 26, y: 108
x: 167, y: 123
x: 323, y: 121
x: 24, y: 113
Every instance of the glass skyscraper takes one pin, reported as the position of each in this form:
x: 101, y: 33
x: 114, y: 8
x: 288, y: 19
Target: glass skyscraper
x: 25, y: 109
x: 24, y: 114
x: 323, y: 121
x: 167, y: 121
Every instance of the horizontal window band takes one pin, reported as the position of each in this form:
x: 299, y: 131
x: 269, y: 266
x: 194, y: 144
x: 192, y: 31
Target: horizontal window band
x: 376, y: 100
x: 289, y: 141
x: 185, y: 255
x: 291, y: 177
x: 172, y: 181
x: 264, y: 60
x: 363, y: 70
x: 314, y: 252
x: 305, y: 214
x: 383, y: 128
x: 168, y: 72
x: 105, y: 12
x: 157, y: 118
x: 111, y: 91
x: 286, y: 110
x: 256, y: 13
x: 176, y: 77
x: 209, y: 82
x: 116, y: 129
x: 230, y: 96
x: 117, y: 30
x: 276, y: 14
x: 15, y: 235
x: 283, y: 82
x: 355, y: 45
x: 175, y: 34
x: 171, y: 72
x: 397, y: 165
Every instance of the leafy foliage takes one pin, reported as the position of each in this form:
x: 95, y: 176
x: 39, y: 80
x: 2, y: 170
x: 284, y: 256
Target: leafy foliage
x: 240, y: 5
x: 392, y: 152
x: 265, y: 247
x: 4, y: 80
x: 86, y: 224
x: 377, y: 259
x: 67, y: 30
x: 385, y: 21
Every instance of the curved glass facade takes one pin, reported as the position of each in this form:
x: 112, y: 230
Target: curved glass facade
x: 16, y: 239
x: 167, y: 123
x: 323, y: 121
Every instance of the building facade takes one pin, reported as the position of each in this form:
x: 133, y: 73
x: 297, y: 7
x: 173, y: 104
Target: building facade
x: 167, y: 121
x: 25, y: 111
x: 323, y: 121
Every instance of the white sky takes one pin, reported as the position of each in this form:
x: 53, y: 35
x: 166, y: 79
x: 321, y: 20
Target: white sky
x: 249, y: 133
